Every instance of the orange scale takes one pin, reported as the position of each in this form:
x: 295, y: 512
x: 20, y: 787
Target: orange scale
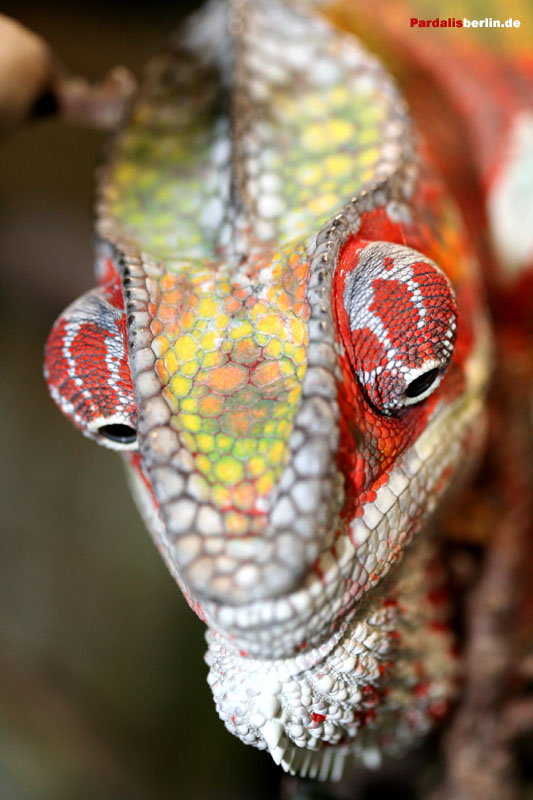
x: 168, y: 282
x: 187, y: 320
x: 301, y: 310
x: 165, y: 312
x: 388, y: 446
x: 228, y: 378
x: 235, y: 423
x: 162, y: 371
x: 301, y: 272
x: 246, y: 351
x: 241, y: 293
x: 156, y: 326
x: 191, y: 300
x: 247, y: 396
x: 172, y: 298
x: 261, y: 410
x: 235, y: 523
x: 300, y: 292
x: 172, y: 329
x: 244, y: 496
x: 232, y: 304
x: 285, y: 302
x: 250, y: 301
x: 266, y: 374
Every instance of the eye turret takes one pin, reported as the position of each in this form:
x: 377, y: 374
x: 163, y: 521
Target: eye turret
x: 87, y: 370
x: 402, y: 322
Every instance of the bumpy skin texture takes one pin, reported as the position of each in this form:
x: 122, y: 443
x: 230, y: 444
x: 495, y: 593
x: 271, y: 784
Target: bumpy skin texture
x: 309, y: 357
x: 87, y: 365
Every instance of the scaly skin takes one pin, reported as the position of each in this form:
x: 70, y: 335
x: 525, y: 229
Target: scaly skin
x: 309, y: 356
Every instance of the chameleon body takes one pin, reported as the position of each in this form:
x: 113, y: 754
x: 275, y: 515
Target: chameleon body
x: 299, y: 307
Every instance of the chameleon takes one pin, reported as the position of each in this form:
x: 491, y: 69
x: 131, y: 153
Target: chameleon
x: 290, y: 346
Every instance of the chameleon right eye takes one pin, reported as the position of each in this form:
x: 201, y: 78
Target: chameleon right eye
x: 119, y: 434
x: 87, y: 368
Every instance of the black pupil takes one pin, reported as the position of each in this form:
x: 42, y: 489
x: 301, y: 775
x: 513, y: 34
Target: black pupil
x: 122, y: 434
x: 423, y: 382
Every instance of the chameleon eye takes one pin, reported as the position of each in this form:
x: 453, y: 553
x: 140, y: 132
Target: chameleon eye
x: 422, y: 385
x: 401, y: 320
x: 119, y: 434
x: 87, y: 370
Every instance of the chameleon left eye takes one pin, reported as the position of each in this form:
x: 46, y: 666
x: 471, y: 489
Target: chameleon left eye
x: 397, y: 321
x: 87, y: 370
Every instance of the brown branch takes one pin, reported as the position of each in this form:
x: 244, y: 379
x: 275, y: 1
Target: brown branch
x: 101, y: 105
x: 26, y: 72
x: 33, y: 85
